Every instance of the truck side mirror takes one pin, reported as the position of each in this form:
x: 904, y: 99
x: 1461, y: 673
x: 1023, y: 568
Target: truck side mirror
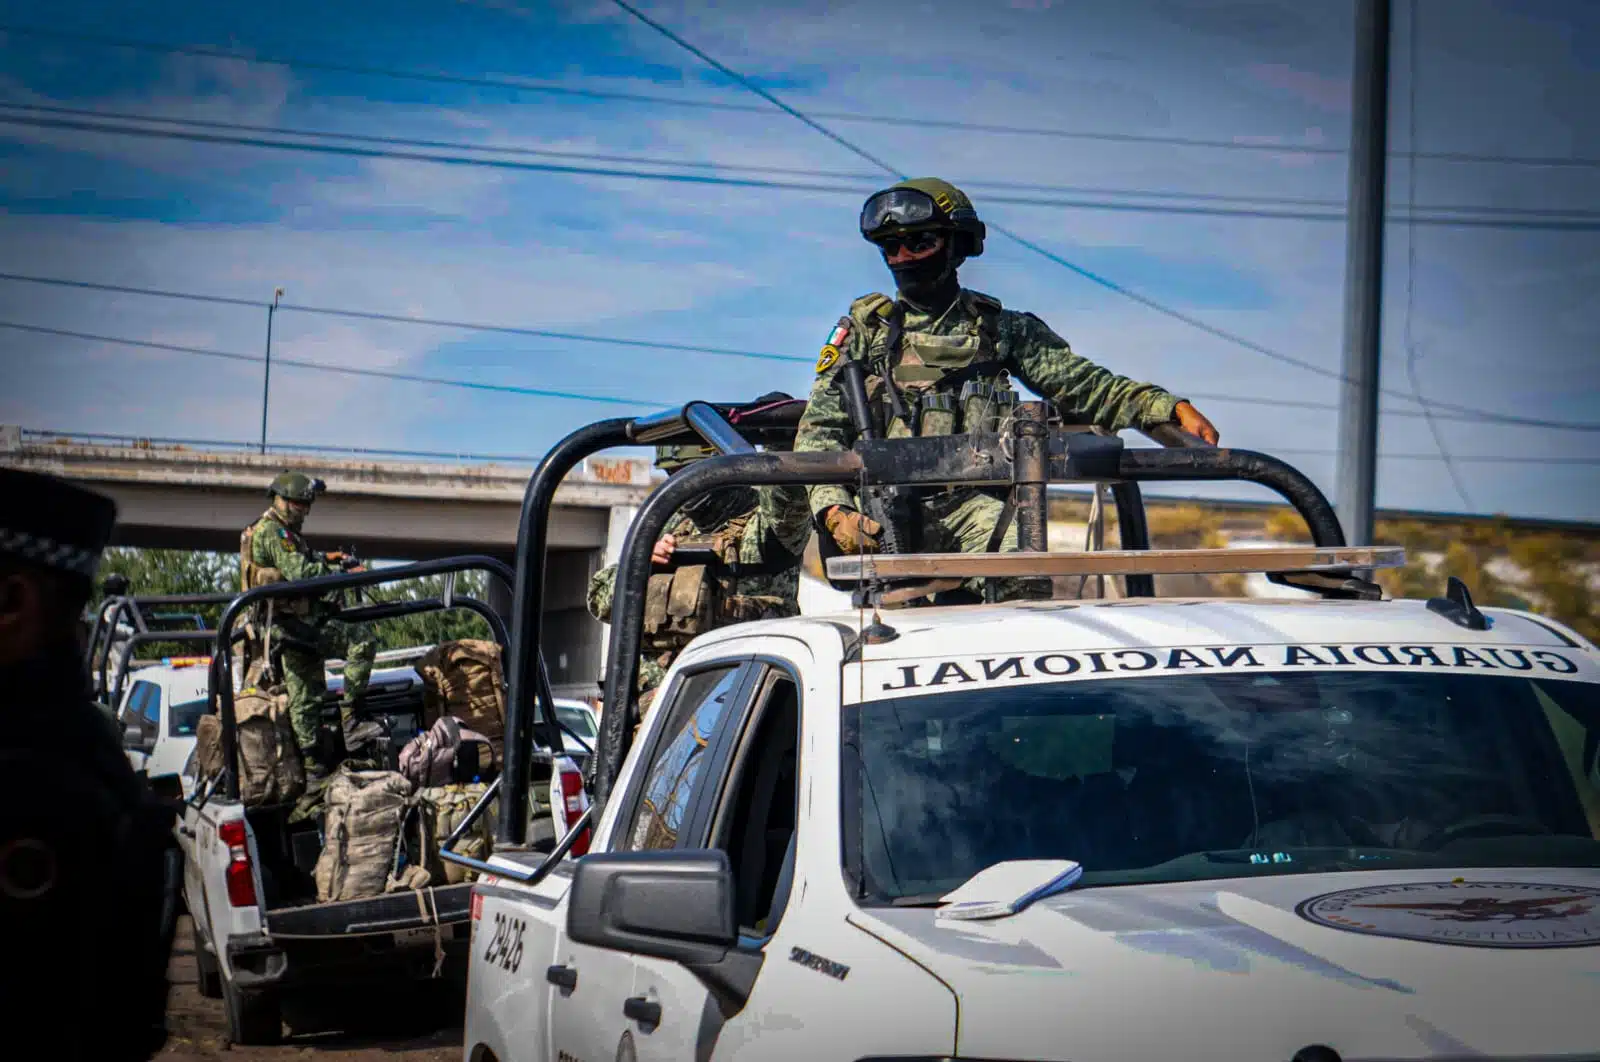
x: 133, y: 737
x: 667, y: 904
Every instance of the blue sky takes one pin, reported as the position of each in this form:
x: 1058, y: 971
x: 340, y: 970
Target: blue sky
x: 1504, y: 320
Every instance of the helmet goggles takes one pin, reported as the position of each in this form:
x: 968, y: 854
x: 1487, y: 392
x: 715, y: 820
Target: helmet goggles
x: 899, y: 208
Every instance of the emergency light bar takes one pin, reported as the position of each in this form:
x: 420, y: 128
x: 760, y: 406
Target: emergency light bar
x: 872, y: 566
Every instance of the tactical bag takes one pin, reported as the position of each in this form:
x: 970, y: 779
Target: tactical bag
x: 270, y: 771
x: 361, y: 833
x: 443, y: 807
x: 445, y: 751
x: 465, y: 679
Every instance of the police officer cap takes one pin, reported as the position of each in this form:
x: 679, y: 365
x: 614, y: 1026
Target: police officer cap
x: 46, y: 522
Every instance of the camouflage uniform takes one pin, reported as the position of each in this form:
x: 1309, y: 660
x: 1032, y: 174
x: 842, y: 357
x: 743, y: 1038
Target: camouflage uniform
x: 766, y: 527
x: 952, y: 373
x: 306, y: 632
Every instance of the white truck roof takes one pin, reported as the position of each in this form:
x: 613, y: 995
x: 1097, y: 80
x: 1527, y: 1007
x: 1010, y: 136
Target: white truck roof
x: 1366, y: 634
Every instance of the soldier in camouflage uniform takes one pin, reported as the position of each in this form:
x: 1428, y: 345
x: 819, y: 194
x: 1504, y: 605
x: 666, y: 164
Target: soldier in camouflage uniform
x: 303, y: 632
x: 760, y: 533
x: 938, y: 359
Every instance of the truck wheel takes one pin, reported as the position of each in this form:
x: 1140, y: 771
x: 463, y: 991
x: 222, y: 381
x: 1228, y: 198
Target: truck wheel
x: 253, y: 1017
x: 208, y: 976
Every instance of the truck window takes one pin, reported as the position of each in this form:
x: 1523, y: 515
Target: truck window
x: 678, y: 760
x: 151, y: 709
x: 756, y: 823
x: 185, y: 716
x: 135, y: 711
x: 1215, y: 776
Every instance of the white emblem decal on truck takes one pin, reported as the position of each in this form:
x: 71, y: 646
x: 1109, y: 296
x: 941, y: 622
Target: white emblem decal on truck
x: 1483, y: 914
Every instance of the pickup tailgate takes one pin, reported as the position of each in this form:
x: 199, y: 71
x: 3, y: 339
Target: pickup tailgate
x: 447, y: 905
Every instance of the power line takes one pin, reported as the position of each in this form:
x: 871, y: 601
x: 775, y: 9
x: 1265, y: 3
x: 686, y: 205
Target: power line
x: 472, y: 326
x: 1310, y: 209
x: 1261, y: 146
x: 1564, y: 222
x: 122, y: 289
x: 345, y: 370
x: 1105, y: 282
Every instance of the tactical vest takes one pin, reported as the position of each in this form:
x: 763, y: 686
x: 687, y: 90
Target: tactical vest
x: 693, y: 599
x: 252, y: 575
x: 941, y: 384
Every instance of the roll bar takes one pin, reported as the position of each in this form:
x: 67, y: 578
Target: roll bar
x: 110, y: 614
x: 222, y: 657
x: 696, y: 422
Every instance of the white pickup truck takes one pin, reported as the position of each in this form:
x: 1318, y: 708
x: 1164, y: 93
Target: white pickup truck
x: 1313, y: 830
x: 261, y: 935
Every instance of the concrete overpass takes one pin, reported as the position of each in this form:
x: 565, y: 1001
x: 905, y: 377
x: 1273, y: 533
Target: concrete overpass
x: 174, y: 497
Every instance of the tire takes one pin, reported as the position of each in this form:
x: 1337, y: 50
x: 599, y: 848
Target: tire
x: 254, y: 1018
x: 208, y: 976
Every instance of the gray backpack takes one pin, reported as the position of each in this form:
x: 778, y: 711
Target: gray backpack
x: 366, y: 811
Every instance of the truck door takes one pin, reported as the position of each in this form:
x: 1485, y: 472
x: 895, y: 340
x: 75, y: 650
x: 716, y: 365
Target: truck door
x: 752, y: 816
x: 589, y: 1011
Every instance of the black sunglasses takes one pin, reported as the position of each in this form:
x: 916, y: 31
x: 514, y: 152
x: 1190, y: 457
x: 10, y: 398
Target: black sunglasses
x: 915, y: 242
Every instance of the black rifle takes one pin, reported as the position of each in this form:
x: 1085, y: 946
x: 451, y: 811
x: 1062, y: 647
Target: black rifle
x: 895, y: 507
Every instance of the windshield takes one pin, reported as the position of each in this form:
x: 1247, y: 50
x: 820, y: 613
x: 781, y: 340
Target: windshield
x: 184, y: 717
x: 580, y: 721
x: 1196, y: 777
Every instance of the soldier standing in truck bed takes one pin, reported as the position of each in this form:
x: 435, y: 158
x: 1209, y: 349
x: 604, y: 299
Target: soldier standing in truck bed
x: 938, y: 359
x: 303, y: 631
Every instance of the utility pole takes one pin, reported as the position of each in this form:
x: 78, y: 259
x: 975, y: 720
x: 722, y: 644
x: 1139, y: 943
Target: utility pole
x: 266, y: 378
x: 1363, y: 278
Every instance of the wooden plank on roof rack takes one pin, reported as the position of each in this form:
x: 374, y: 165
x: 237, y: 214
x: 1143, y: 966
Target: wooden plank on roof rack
x: 1116, y: 562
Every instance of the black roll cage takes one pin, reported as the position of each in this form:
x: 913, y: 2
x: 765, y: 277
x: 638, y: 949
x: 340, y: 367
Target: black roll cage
x: 1026, y: 459
x: 221, y: 674
x: 134, y: 608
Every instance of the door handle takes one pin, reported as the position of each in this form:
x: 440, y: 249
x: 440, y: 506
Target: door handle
x: 562, y: 977
x: 643, y: 1011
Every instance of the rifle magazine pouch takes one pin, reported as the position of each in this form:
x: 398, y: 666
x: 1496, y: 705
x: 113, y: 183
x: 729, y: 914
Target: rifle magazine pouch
x: 689, y: 603
x: 657, y: 592
x: 938, y: 414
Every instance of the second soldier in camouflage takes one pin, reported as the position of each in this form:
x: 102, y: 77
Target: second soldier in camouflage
x: 758, y: 536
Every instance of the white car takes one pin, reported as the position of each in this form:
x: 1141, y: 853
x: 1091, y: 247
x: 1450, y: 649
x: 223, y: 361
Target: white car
x: 581, y: 727
x: 1133, y: 830
x: 158, y: 713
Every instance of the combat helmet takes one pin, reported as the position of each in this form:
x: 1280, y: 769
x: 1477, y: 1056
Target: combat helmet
x: 296, y: 487
x: 924, y: 203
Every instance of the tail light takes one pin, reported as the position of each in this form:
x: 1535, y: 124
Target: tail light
x: 241, y: 882
x: 568, y: 802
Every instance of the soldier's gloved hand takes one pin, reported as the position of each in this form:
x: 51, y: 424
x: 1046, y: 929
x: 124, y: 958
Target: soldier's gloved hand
x: 662, y: 554
x: 854, y: 532
x: 1194, y: 422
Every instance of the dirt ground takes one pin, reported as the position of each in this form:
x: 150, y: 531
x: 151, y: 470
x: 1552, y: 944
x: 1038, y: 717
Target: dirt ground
x: 425, y: 1027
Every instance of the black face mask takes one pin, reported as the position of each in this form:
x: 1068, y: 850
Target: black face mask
x: 929, y: 283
